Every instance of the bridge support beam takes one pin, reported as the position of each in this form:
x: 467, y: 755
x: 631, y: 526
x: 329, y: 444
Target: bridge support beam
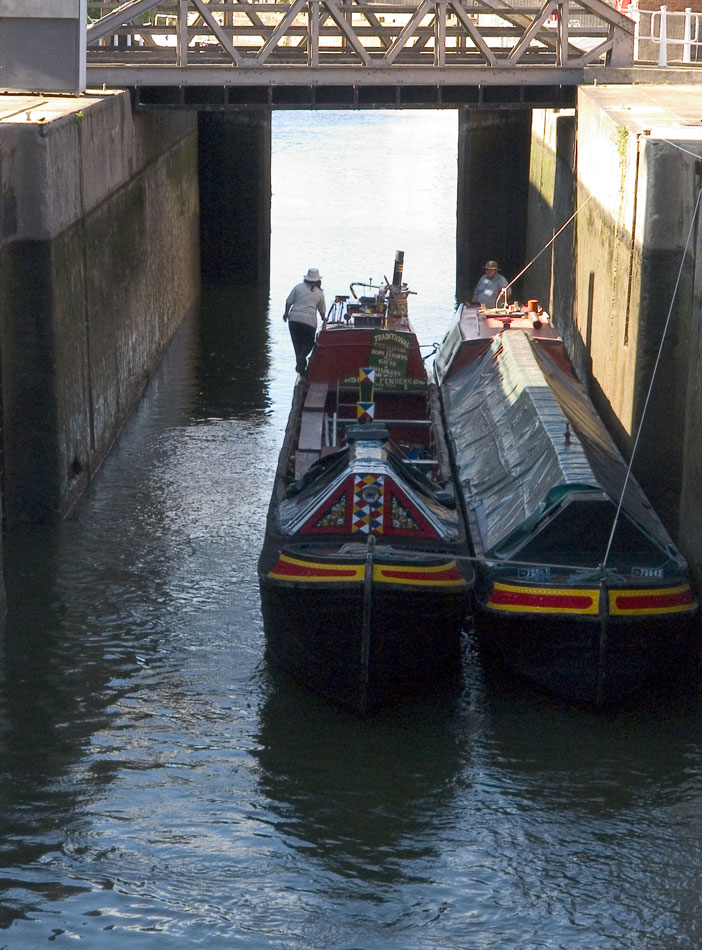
x: 235, y: 197
x: 493, y: 174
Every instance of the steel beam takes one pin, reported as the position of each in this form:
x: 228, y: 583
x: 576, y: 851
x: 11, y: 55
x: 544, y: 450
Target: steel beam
x: 119, y: 76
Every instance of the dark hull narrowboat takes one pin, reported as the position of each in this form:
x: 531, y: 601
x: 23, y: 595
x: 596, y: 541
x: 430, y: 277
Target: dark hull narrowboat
x: 364, y: 572
x: 579, y: 587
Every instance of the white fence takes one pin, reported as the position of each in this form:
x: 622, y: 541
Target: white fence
x: 665, y: 36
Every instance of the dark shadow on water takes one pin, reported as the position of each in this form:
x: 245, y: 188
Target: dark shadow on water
x: 361, y: 795
x: 233, y: 352
x: 591, y: 762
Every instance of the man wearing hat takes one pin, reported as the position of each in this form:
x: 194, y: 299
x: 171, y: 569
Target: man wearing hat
x: 488, y: 288
x: 304, y: 301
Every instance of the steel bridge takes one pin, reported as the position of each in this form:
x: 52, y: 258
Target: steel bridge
x: 218, y: 54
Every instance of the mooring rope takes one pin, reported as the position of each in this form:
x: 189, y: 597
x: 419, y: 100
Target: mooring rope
x: 546, y: 245
x: 652, y: 380
x: 681, y: 149
x: 475, y: 559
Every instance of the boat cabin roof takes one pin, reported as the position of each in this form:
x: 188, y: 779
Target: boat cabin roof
x: 529, y: 445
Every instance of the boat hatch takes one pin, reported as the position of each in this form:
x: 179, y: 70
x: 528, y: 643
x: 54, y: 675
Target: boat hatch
x: 577, y: 533
x: 367, y: 433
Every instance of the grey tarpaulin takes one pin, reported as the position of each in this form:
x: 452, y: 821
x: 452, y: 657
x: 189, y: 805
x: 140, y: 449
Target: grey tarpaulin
x: 539, y: 472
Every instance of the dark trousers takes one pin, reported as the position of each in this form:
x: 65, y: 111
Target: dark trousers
x: 302, y: 335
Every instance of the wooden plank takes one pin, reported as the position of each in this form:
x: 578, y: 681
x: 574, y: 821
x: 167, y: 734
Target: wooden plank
x: 316, y: 397
x: 311, y: 431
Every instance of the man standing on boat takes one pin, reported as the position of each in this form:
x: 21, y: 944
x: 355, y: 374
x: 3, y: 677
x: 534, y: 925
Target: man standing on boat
x: 489, y: 287
x: 304, y: 301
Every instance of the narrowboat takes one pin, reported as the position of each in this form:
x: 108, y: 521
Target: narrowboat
x: 579, y: 587
x: 364, y: 572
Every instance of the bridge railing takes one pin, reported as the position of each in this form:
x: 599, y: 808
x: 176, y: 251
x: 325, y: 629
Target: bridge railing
x: 664, y: 36
x: 360, y: 33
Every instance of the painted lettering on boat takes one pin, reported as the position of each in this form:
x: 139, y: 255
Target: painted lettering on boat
x: 534, y: 573
x: 389, y: 353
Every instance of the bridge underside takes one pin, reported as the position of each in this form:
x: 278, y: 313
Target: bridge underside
x: 208, y: 88
x: 321, y: 54
x: 223, y: 98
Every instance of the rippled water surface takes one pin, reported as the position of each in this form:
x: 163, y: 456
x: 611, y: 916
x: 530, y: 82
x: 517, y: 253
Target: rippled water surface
x: 161, y: 786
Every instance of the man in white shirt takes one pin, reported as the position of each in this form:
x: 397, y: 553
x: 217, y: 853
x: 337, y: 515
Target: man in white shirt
x: 304, y: 302
x: 488, y: 288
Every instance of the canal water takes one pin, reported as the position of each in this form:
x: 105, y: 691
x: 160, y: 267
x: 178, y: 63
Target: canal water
x: 161, y: 785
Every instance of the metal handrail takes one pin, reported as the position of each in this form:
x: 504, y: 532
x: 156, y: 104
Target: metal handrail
x: 658, y: 33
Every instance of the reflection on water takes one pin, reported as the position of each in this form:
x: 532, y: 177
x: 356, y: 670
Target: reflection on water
x: 160, y: 783
x: 360, y: 797
x: 233, y: 357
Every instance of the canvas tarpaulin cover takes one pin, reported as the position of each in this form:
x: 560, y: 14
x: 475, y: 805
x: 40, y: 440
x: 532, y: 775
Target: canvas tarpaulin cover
x: 527, y: 440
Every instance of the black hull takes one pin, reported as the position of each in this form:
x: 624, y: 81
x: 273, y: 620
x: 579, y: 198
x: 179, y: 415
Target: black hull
x: 412, y: 642
x: 574, y: 660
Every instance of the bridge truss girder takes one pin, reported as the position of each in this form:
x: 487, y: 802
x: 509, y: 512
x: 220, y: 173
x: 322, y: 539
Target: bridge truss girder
x: 364, y: 38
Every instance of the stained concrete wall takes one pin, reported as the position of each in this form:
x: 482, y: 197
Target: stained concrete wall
x: 635, y: 199
x: 631, y: 237
x: 493, y: 169
x: 550, y: 258
x: 99, y: 263
x: 235, y: 197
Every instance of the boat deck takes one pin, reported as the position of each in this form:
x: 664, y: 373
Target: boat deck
x: 476, y: 323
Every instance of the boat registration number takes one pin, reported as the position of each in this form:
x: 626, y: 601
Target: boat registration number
x: 647, y: 572
x: 534, y: 573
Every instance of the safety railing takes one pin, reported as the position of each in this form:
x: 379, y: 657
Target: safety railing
x: 665, y: 36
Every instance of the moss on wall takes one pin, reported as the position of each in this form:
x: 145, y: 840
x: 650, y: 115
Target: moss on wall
x: 86, y: 315
x: 630, y: 250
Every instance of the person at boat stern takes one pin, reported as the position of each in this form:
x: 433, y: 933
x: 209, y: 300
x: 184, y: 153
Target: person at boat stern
x: 488, y: 288
x: 304, y: 302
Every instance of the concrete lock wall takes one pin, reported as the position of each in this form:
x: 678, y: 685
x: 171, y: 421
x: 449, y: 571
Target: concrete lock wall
x: 235, y: 197
x: 550, y: 276
x: 493, y: 164
x: 630, y: 241
x: 635, y: 196
x: 99, y: 263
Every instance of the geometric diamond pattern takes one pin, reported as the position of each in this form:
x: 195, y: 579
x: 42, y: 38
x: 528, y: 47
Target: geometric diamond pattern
x: 366, y: 384
x: 365, y: 411
x: 365, y: 407
x: 368, y: 499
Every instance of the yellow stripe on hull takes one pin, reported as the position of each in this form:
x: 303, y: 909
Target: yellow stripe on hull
x: 296, y: 569
x: 652, y: 601
x: 625, y: 602
x: 550, y: 600
x: 435, y: 575
x: 299, y: 570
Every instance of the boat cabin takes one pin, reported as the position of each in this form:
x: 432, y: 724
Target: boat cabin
x: 366, y: 367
